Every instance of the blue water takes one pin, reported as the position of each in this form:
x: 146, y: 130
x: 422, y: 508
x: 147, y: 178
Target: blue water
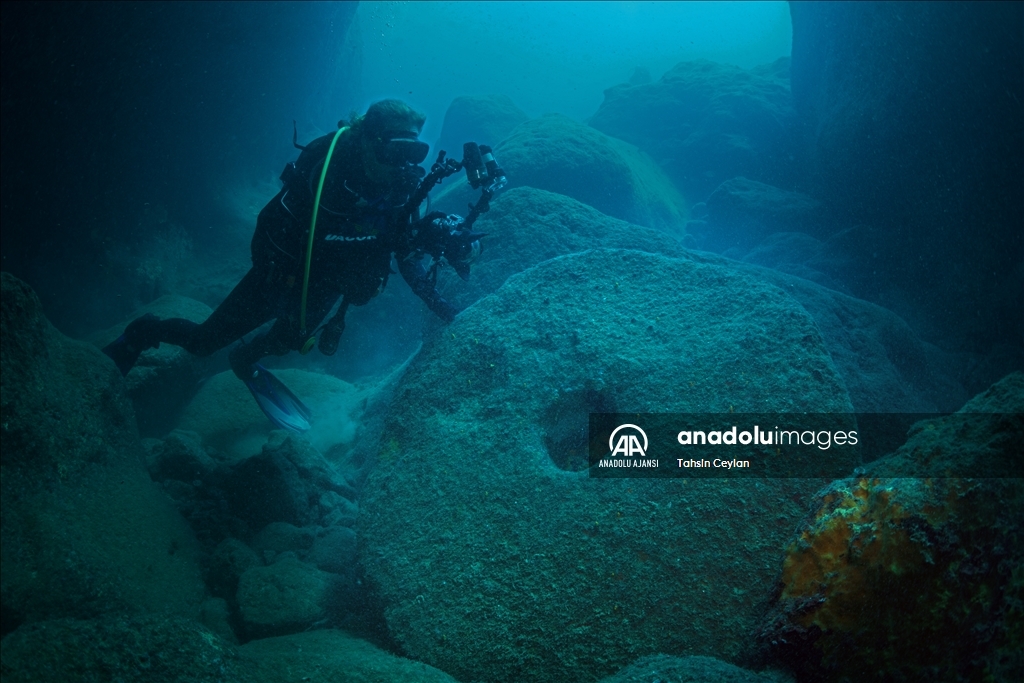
x: 711, y: 209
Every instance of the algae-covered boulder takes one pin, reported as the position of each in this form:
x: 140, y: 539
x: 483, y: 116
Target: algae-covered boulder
x: 557, y: 154
x: 331, y: 656
x: 484, y: 119
x: 740, y: 212
x: 165, y: 377
x: 526, y: 226
x: 283, y: 597
x: 232, y: 427
x: 84, y: 529
x: 885, y: 366
x: 283, y: 483
x: 496, y: 560
x: 685, y: 670
x: 704, y: 123
x: 149, y: 650
x: 126, y: 649
x: 916, y: 568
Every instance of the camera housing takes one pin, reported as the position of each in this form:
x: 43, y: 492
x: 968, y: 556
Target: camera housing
x: 481, y: 167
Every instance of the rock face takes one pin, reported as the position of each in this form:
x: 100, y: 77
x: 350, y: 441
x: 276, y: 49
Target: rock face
x: 885, y: 366
x: 331, y: 655
x: 883, y: 363
x: 929, y: 154
x: 919, y: 573
x: 486, y: 120
x: 149, y: 650
x: 496, y: 559
x: 165, y: 377
x: 286, y: 596
x: 84, y: 530
x: 557, y: 154
x: 704, y: 123
x: 284, y: 483
x: 132, y: 650
x: 526, y: 226
x: 685, y: 670
x: 741, y: 211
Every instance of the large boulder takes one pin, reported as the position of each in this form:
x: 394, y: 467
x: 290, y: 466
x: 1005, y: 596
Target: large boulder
x: 145, y: 649
x: 283, y: 597
x: 149, y: 650
x: 526, y: 226
x: 686, y: 670
x: 558, y: 154
x: 484, y: 119
x: 232, y: 426
x: 331, y: 655
x: 84, y: 529
x: 917, y: 567
x: 927, y: 155
x: 284, y: 483
x: 886, y: 367
x: 527, y: 569
x: 704, y: 123
x: 740, y: 212
x: 164, y: 378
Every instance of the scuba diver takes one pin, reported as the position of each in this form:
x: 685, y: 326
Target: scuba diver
x: 348, y: 204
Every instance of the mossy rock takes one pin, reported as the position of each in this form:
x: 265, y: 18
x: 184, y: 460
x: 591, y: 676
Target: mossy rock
x: 916, y: 567
x: 705, y: 122
x: 525, y: 568
x: 526, y: 226
x: 484, y: 119
x: 558, y: 154
x: 84, y: 529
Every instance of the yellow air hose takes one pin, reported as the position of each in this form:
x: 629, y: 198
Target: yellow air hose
x: 309, y: 247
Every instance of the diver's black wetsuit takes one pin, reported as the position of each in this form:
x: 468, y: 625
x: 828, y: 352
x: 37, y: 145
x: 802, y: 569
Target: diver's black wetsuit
x: 355, y: 238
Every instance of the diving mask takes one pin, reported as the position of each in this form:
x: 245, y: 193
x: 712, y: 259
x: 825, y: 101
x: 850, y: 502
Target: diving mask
x: 397, y: 148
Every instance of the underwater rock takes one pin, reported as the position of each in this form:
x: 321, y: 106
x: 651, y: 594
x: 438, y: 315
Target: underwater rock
x: 558, y: 154
x: 231, y: 558
x: 215, y: 614
x: 885, y: 366
x: 125, y: 649
x: 705, y: 122
x: 279, y: 537
x: 921, y: 576
x: 84, y: 529
x: 283, y: 597
x: 526, y: 226
x: 484, y: 119
x: 179, y: 456
x: 668, y: 669
x: 497, y: 559
x: 742, y: 212
x: 164, y: 378
x: 929, y: 153
x: 741, y: 199
x: 232, y: 426
x: 284, y: 483
x: 331, y: 655
x: 799, y: 254
x: 334, y: 550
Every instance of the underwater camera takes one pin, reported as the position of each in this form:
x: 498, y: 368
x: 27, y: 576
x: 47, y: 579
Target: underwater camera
x: 481, y: 168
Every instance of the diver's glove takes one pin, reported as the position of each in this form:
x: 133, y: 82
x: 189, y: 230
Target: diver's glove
x: 330, y: 336
x: 444, y: 310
